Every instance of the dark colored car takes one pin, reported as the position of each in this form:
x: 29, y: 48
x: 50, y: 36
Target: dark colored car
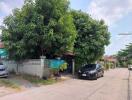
x: 91, y: 71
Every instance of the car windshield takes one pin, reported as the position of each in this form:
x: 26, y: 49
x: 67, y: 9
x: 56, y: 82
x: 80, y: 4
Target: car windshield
x: 90, y: 67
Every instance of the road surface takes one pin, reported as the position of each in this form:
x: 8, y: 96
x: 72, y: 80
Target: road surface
x: 115, y: 85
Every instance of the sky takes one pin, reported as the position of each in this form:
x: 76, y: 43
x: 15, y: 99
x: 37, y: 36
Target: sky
x: 116, y: 14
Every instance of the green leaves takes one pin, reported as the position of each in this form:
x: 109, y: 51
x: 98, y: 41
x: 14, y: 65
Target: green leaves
x: 125, y: 56
x: 40, y: 27
x: 49, y: 27
x: 92, y: 38
x: 68, y: 28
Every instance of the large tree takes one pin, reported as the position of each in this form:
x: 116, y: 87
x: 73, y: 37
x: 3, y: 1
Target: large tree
x: 92, y: 38
x: 50, y: 27
x: 40, y: 27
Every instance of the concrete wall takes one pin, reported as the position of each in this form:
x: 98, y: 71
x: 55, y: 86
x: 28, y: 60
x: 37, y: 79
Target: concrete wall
x: 35, y: 67
x: 46, y: 69
x: 31, y: 67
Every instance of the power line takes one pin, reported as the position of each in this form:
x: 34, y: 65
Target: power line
x: 125, y: 34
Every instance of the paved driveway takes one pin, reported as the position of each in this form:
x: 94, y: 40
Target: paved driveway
x: 113, y: 86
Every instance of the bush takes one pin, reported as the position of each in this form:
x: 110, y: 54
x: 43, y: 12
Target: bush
x: 63, y: 67
x: 107, y: 66
x: 54, y: 72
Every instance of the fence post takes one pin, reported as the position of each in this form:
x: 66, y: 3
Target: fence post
x: 42, y: 66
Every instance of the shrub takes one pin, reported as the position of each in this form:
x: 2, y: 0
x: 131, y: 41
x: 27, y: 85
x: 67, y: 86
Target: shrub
x: 63, y: 67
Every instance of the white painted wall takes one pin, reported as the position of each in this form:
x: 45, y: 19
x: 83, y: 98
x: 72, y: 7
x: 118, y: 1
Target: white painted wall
x: 31, y: 67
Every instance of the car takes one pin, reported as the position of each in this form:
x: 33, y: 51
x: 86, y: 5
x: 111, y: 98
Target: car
x: 3, y: 71
x: 129, y: 67
x: 91, y: 71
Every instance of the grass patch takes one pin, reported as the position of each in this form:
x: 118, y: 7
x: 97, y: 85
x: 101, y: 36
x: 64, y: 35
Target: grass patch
x: 8, y: 83
x: 38, y: 81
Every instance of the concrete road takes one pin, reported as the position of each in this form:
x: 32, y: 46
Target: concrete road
x: 115, y: 85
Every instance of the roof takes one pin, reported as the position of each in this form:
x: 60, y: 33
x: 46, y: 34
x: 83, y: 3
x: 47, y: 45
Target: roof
x: 110, y: 58
x: 69, y: 54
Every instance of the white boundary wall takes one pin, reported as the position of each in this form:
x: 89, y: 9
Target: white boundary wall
x: 31, y: 67
x: 35, y: 67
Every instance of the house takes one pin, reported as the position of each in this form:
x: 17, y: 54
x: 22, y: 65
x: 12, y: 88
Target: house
x: 109, y: 61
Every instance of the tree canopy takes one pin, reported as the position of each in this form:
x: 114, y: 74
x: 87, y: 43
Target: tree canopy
x: 92, y: 37
x: 125, y: 56
x: 43, y: 27
x: 50, y: 27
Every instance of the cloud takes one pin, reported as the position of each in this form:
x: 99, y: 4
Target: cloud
x: 109, y: 10
x: 1, y: 20
x: 0, y: 23
x: 6, y: 7
x: 118, y: 43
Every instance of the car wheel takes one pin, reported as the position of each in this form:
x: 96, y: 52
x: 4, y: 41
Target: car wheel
x: 96, y: 77
x: 79, y: 77
x: 102, y: 74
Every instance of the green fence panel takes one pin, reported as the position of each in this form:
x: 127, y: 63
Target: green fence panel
x: 3, y: 53
x: 56, y: 63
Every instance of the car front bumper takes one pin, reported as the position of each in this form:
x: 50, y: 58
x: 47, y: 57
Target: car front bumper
x: 87, y: 75
x: 3, y: 74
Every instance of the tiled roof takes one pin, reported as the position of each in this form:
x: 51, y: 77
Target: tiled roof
x: 110, y: 58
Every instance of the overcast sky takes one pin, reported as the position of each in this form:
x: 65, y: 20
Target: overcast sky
x: 117, y: 15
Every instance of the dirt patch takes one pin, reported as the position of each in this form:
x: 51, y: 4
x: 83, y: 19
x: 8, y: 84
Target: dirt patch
x: 6, y: 91
x: 17, y: 83
x: 22, y: 83
x: 14, y: 84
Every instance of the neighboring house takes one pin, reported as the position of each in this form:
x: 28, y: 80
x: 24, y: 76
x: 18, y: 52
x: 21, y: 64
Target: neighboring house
x: 109, y: 61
